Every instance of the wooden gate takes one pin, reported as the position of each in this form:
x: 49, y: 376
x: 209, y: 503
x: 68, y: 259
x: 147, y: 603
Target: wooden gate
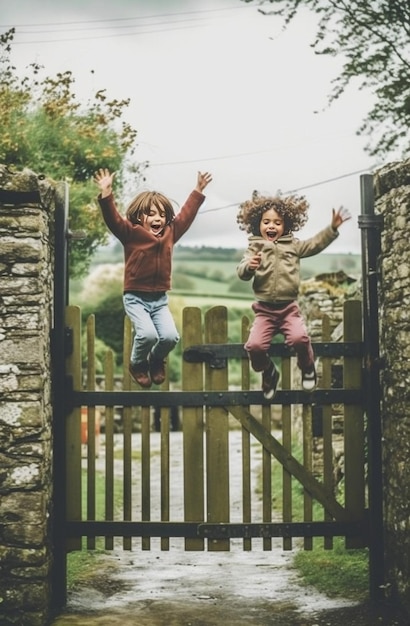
x: 212, y: 407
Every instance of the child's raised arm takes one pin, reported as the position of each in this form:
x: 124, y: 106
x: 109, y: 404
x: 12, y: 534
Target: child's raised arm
x: 339, y: 216
x: 202, y: 181
x: 104, y: 180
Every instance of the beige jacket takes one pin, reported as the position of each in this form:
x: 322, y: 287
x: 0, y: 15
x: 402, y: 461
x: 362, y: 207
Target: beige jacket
x: 277, y: 279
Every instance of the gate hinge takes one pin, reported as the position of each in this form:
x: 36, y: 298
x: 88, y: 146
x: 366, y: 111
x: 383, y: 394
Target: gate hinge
x: 206, y: 354
x: 371, y: 221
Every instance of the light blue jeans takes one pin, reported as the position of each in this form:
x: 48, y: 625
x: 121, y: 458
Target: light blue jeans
x: 155, y: 333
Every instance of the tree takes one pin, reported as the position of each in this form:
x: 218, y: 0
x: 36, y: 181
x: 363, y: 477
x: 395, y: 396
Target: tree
x: 45, y: 128
x: 373, y: 37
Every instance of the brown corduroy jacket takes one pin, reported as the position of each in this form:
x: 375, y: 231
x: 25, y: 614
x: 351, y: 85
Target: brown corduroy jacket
x: 148, y: 259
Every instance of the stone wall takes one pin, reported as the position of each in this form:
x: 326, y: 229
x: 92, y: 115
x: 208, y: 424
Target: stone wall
x: 322, y: 296
x: 26, y: 288
x: 392, y: 200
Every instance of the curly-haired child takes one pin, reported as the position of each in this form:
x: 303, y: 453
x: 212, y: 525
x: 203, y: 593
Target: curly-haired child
x: 148, y: 233
x: 272, y: 262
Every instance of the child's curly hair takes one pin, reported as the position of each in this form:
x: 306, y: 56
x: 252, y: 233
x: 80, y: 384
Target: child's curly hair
x: 293, y: 209
x: 144, y: 201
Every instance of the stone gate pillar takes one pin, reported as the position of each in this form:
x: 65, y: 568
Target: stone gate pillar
x: 392, y: 196
x: 26, y: 300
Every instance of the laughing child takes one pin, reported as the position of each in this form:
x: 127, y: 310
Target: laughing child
x: 148, y: 233
x: 272, y: 262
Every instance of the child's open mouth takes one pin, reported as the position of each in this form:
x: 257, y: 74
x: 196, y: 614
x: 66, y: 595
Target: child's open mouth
x: 156, y: 229
x: 271, y: 235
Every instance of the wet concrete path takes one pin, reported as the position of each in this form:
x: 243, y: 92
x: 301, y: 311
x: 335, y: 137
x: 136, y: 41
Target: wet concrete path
x: 178, y: 588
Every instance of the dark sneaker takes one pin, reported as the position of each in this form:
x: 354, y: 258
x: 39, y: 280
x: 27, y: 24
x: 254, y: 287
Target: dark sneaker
x: 157, y: 371
x: 309, y: 379
x: 139, y: 372
x: 270, y: 379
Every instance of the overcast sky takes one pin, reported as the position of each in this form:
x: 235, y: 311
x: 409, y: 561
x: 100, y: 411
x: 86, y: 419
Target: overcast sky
x: 214, y: 86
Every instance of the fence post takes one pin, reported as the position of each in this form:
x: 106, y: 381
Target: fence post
x: 58, y: 352
x: 371, y: 226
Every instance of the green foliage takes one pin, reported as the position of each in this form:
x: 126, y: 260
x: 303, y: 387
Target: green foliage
x: 207, y: 254
x: 85, y: 218
x: 100, y: 352
x: 372, y: 38
x: 109, y: 324
x: 182, y: 282
x: 236, y: 285
x: 44, y: 128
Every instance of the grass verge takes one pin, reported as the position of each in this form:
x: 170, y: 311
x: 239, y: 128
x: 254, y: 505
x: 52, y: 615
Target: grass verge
x: 340, y: 572
x: 82, y: 564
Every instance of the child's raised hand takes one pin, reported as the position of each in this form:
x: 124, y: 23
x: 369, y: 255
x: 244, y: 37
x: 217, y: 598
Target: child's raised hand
x: 339, y: 216
x: 104, y: 180
x: 202, y: 181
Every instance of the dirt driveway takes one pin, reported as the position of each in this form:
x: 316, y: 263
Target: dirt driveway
x: 178, y: 588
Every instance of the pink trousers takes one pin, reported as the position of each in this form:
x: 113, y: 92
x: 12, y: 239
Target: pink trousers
x: 270, y: 321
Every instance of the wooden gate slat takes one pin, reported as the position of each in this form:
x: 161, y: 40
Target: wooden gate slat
x: 145, y: 472
x: 165, y: 467
x: 287, y: 444
x: 109, y: 447
x: 308, y: 465
x: 246, y: 444
x: 328, y: 475
x: 73, y: 428
x: 91, y: 449
x: 354, y: 429
x: 193, y: 429
x: 217, y: 443
x: 266, y: 477
x: 127, y: 434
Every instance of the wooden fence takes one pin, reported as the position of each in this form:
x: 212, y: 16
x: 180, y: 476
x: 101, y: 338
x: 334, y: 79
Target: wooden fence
x: 213, y: 407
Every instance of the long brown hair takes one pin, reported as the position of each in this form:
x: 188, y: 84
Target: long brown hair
x: 143, y: 202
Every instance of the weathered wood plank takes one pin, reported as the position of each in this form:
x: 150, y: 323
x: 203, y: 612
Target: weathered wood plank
x: 193, y: 429
x: 127, y: 434
x: 73, y: 428
x: 266, y: 478
x: 354, y: 428
x: 217, y: 443
x: 287, y: 444
x: 246, y: 443
x: 165, y: 464
x: 308, y: 465
x: 91, y: 451
x: 328, y: 474
x: 315, y: 488
x: 109, y: 447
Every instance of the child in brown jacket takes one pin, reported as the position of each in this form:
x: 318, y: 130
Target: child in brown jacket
x: 148, y: 233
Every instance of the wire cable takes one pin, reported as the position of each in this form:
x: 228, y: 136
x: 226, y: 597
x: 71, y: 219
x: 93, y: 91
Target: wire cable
x: 317, y: 184
x: 125, y: 19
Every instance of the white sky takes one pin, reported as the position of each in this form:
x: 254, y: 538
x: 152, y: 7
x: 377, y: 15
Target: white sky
x: 214, y: 86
